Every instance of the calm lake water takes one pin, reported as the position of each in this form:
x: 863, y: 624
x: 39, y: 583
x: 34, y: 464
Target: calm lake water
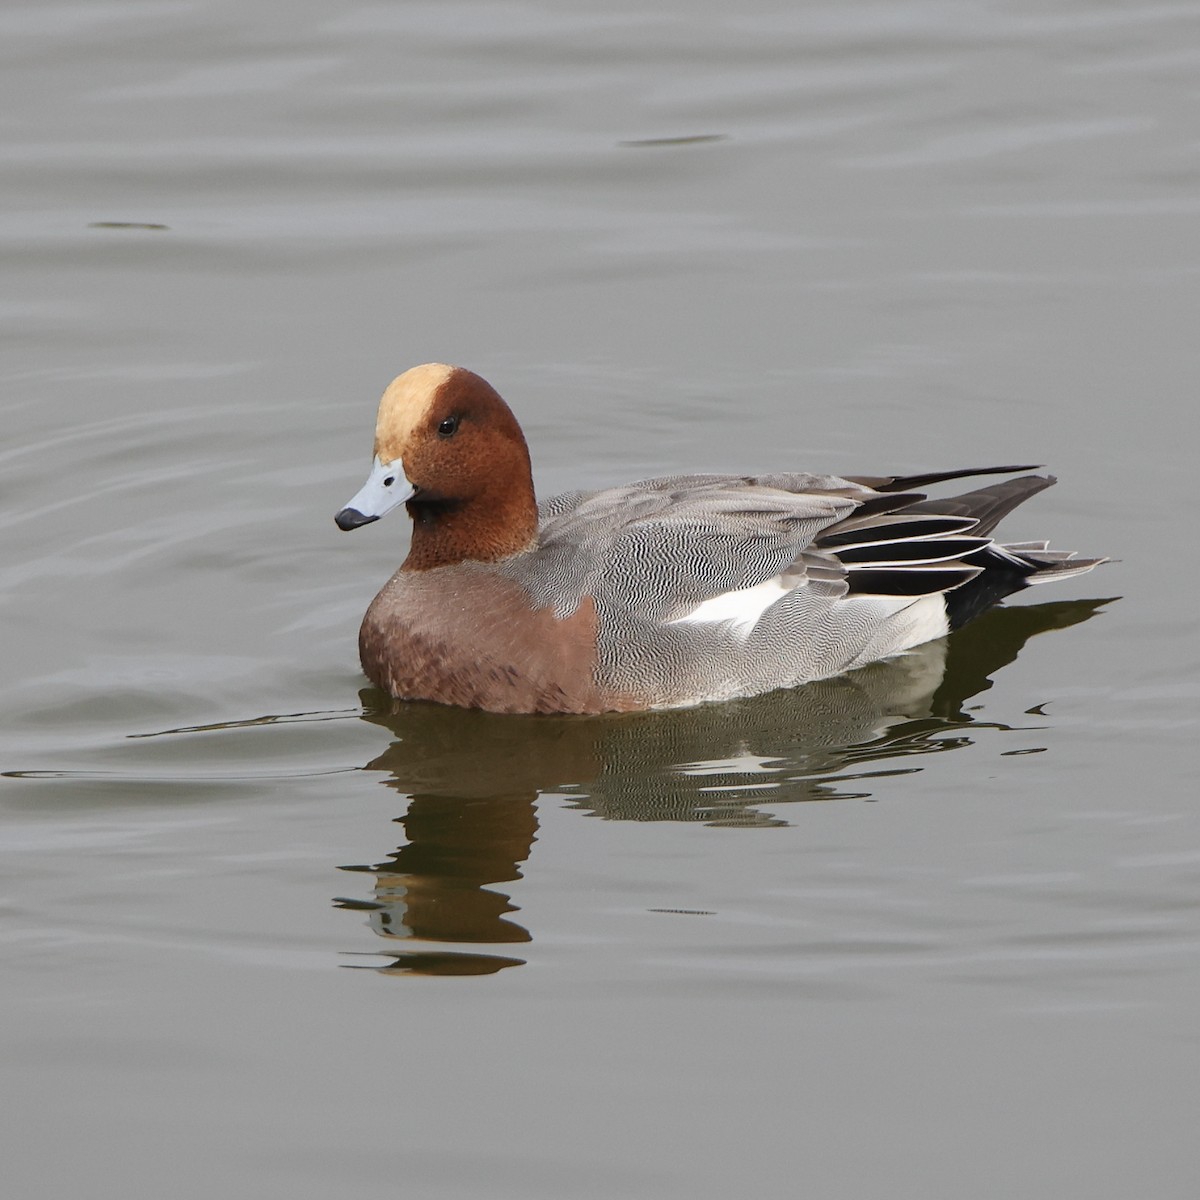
x: 931, y: 930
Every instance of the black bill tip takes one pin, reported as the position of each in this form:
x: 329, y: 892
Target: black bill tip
x: 351, y: 518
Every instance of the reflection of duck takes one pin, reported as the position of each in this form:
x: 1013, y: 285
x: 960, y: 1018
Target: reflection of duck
x: 473, y: 777
x: 663, y: 593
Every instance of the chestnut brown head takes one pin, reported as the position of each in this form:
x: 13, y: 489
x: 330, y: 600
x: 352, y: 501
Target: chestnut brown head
x: 448, y: 447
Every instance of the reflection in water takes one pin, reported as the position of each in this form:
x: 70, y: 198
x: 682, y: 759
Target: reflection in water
x: 473, y: 778
x: 434, y: 889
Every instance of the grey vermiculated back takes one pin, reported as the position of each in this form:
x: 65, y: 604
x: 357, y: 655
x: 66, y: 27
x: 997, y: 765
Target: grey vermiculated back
x: 674, y: 542
x: 860, y: 574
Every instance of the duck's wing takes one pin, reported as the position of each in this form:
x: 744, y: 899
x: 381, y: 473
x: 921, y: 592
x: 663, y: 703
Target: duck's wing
x: 724, y: 547
x: 662, y: 546
x: 715, y: 547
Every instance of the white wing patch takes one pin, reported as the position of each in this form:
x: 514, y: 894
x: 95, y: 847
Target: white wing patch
x: 743, y: 607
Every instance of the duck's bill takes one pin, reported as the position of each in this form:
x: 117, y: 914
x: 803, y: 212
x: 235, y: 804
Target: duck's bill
x: 386, y: 488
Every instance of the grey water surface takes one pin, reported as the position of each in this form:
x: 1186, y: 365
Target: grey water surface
x: 929, y: 930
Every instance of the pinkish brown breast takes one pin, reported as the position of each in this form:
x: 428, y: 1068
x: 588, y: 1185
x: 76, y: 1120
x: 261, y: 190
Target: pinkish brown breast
x: 466, y: 635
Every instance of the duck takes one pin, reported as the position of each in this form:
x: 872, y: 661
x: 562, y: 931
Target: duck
x: 663, y: 593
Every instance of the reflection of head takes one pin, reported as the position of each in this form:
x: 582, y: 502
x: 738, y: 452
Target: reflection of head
x: 435, y: 887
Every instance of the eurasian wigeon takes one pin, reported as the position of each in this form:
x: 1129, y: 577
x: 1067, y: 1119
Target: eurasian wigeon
x: 662, y: 593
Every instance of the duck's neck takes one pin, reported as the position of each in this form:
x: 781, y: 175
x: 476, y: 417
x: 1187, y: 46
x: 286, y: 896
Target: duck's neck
x: 483, y: 529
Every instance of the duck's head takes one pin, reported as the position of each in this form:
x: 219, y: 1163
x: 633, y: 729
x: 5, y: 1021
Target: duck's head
x: 448, y: 447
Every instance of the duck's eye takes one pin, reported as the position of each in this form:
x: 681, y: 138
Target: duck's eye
x: 448, y: 427
x: 389, y: 481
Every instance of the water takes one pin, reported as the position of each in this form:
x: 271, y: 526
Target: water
x: 928, y: 931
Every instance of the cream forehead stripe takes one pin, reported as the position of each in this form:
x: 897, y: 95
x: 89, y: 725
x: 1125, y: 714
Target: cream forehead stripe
x: 405, y: 405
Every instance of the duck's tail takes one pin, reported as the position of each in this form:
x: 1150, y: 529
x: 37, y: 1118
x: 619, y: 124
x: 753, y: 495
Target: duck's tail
x: 874, y: 546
